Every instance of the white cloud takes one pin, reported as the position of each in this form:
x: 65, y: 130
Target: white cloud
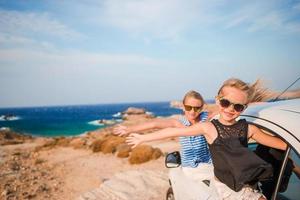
x: 72, y: 60
x: 152, y: 19
x: 297, y: 7
x: 170, y: 19
x: 30, y: 23
x: 159, y: 19
x: 264, y: 15
x: 15, y: 41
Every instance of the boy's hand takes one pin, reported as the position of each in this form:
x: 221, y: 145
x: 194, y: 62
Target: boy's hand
x: 134, y: 139
x: 120, y: 130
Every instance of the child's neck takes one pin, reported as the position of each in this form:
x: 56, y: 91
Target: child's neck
x: 194, y: 121
x: 226, y: 122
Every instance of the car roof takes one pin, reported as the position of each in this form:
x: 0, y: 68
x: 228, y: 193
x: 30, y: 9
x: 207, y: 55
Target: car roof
x: 282, y: 117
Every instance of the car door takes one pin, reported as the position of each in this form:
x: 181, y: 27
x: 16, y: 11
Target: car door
x: 287, y: 178
x: 291, y: 188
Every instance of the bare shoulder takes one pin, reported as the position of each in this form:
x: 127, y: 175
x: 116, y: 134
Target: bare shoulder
x: 206, y: 127
x: 209, y: 127
x: 210, y: 132
x: 252, y: 129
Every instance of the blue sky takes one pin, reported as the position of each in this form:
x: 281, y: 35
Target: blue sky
x: 110, y: 51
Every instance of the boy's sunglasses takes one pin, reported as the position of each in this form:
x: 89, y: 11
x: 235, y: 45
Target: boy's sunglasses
x: 189, y: 108
x: 236, y: 106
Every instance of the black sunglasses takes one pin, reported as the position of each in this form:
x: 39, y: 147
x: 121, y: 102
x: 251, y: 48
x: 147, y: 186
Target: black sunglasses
x: 236, y: 106
x: 195, y: 108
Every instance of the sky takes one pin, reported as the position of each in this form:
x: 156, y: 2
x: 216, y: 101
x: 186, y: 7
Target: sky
x: 114, y: 51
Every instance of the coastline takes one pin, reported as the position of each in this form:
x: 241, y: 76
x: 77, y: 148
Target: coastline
x: 73, y: 168
x: 86, y: 166
x: 72, y: 120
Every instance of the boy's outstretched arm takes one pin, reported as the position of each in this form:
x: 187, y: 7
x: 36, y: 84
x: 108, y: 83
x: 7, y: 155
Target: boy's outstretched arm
x: 136, y: 139
x: 266, y: 139
x: 122, y: 130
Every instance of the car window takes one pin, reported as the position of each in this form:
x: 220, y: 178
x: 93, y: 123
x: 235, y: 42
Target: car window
x: 292, y: 190
x: 289, y: 180
x: 252, y: 146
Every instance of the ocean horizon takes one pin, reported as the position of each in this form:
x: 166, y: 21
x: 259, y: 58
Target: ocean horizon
x: 72, y: 120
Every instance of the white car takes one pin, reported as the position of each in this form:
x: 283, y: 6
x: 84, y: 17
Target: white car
x: 282, y: 119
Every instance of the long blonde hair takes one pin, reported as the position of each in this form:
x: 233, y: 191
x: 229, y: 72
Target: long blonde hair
x: 255, y: 92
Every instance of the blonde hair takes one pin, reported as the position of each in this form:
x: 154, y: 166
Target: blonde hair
x: 193, y: 94
x: 255, y: 92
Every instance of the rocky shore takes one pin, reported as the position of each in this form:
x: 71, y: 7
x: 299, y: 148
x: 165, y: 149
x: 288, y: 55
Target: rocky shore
x: 95, y: 165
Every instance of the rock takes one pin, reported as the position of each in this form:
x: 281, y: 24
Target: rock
x: 8, y: 117
x: 30, y: 196
x: 130, y: 185
x: 15, y: 166
x: 24, y: 175
x: 136, y: 114
x: 104, y: 132
x: 176, y: 104
x: 43, y: 188
x: 137, y: 118
x: 48, y: 144
x: 63, y: 141
x: 96, y: 145
x: 78, y: 143
x: 39, y: 161
x: 8, y: 137
x: 106, y: 122
x: 134, y: 111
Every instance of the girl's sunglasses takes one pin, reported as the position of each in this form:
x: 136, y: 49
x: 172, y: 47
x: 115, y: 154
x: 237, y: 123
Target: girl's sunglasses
x: 236, y: 106
x: 189, y: 108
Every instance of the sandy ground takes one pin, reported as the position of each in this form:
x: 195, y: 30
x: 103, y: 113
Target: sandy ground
x: 82, y: 174
x: 84, y: 171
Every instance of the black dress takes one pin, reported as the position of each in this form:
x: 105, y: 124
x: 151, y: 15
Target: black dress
x: 234, y: 164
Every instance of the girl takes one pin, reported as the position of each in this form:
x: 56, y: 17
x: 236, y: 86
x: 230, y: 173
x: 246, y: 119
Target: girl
x: 227, y: 139
x: 195, y: 156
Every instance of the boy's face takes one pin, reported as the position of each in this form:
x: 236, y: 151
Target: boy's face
x: 192, y: 108
x: 237, y: 99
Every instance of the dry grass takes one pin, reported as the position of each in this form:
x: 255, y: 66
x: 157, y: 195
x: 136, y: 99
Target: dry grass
x: 123, y: 150
x: 143, y: 153
x: 110, y: 143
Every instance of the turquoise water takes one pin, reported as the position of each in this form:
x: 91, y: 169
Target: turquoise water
x: 72, y: 120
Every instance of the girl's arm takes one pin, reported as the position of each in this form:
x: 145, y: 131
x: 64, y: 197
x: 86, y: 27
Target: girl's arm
x: 122, y: 130
x: 266, y: 139
x: 196, y: 129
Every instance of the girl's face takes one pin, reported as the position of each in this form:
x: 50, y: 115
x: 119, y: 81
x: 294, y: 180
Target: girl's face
x: 237, y: 100
x: 192, y: 108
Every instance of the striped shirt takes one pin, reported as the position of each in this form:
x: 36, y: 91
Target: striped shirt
x: 194, y: 149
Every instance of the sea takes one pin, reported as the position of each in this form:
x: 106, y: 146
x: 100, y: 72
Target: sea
x: 52, y: 121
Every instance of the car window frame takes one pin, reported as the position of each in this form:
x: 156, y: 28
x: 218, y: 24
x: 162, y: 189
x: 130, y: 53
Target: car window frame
x: 287, y: 151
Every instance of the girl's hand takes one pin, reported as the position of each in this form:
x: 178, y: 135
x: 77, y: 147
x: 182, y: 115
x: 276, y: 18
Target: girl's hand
x: 134, y: 139
x: 120, y: 130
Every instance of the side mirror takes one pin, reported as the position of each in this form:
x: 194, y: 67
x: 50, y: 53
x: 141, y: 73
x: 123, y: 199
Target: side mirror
x: 173, y: 160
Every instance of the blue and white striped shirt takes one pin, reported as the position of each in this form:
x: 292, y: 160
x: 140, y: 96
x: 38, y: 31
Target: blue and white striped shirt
x: 194, y: 149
